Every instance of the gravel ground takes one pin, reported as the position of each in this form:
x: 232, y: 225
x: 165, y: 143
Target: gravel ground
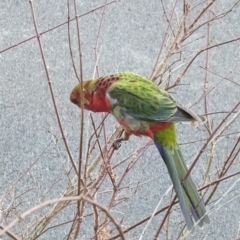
x: 130, y: 38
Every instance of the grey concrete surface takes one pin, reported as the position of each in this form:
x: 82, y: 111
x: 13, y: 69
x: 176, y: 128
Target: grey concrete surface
x: 130, y: 38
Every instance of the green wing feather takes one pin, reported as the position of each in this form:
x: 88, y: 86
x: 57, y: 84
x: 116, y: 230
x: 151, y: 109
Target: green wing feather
x: 143, y: 100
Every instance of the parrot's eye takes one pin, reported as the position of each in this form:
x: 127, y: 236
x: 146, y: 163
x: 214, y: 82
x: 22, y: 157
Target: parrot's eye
x: 75, y: 101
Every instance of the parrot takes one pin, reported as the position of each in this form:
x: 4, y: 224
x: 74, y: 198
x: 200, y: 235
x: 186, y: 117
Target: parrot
x: 144, y: 109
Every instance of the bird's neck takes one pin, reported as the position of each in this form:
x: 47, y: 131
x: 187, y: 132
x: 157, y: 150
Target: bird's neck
x: 100, y: 103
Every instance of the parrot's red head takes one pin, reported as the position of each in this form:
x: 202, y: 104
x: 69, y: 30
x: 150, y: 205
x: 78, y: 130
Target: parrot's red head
x: 86, y: 90
x: 93, y: 99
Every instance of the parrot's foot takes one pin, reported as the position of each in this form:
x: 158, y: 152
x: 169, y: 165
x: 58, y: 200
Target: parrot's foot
x: 117, y: 143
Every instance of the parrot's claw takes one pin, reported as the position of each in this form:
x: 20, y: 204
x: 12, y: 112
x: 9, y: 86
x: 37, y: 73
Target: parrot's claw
x: 117, y: 143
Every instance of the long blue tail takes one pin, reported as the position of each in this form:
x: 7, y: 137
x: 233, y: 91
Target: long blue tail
x: 190, y: 201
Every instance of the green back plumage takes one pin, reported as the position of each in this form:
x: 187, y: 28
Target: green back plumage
x: 167, y: 137
x: 142, y: 98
